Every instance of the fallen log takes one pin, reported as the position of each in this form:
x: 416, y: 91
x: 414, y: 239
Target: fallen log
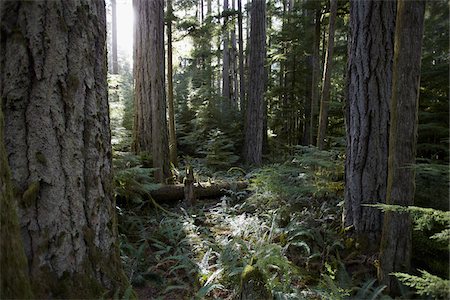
x: 175, y: 192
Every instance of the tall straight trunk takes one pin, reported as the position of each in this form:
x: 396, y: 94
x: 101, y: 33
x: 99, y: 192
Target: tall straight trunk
x: 315, y: 78
x: 241, y: 56
x: 172, y: 135
x: 151, y: 130
x: 369, y: 80
x: 115, y: 64
x: 226, y: 59
x: 209, y: 56
x: 57, y: 137
x: 325, y: 95
x: 15, y: 282
x: 142, y: 126
x: 233, y: 63
x: 255, y: 108
x: 395, y: 250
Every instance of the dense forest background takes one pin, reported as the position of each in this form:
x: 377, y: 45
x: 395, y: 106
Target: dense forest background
x: 264, y: 149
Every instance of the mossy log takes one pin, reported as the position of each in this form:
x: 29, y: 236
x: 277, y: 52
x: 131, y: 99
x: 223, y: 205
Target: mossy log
x: 253, y: 285
x: 202, y: 190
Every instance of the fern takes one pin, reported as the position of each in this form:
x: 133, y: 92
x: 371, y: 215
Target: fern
x: 426, y: 284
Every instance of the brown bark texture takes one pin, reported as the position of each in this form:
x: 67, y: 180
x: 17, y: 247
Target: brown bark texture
x: 369, y: 80
x: 325, y: 95
x: 151, y: 131
x: 53, y: 84
x: 172, y: 135
x: 241, y: 57
x: 395, y: 250
x: 254, y: 134
x: 15, y: 282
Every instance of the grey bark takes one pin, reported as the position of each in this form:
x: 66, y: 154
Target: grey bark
x: 226, y: 59
x: 315, y: 78
x: 151, y: 129
x: 241, y: 57
x: 15, y: 282
x: 115, y: 64
x: 369, y: 75
x: 255, y: 107
x: 395, y: 250
x: 325, y: 95
x: 53, y: 83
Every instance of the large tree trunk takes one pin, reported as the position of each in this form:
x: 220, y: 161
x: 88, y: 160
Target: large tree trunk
x: 150, y: 122
x: 369, y: 79
x: 172, y: 135
x: 115, y: 64
x: 395, y: 252
x: 57, y: 136
x: 325, y: 95
x: 255, y: 108
x: 15, y: 282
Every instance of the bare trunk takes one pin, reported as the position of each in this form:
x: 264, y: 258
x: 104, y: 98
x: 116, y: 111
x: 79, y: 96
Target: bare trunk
x: 241, y: 57
x: 172, y: 135
x: 115, y: 64
x: 315, y: 78
x: 151, y: 129
x: 58, y: 142
x: 395, y: 251
x: 255, y: 108
x: 371, y: 53
x: 226, y: 60
x: 325, y: 96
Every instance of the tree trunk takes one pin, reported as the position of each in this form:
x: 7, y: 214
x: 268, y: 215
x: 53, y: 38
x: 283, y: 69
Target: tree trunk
x: 395, y: 252
x: 315, y: 78
x: 57, y: 137
x: 15, y: 282
x: 255, y: 108
x: 325, y: 96
x: 142, y: 126
x: 115, y: 65
x: 369, y: 79
x: 226, y: 60
x: 151, y: 124
x: 172, y: 135
x: 241, y: 57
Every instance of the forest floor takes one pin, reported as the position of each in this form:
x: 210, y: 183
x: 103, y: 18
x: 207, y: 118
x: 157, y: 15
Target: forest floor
x: 286, y: 226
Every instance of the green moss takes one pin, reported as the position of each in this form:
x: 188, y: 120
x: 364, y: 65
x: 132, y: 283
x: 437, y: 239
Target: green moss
x: 30, y: 195
x: 253, y: 284
x: 41, y: 158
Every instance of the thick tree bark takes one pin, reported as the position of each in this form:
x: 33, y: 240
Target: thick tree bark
x: 369, y: 80
x: 57, y: 137
x: 115, y: 64
x: 395, y: 250
x: 142, y: 127
x: 15, y: 282
x: 325, y: 95
x: 315, y: 78
x: 255, y: 108
x: 172, y: 135
x: 151, y: 130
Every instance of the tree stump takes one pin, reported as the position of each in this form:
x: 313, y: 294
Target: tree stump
x: 189, y: 193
